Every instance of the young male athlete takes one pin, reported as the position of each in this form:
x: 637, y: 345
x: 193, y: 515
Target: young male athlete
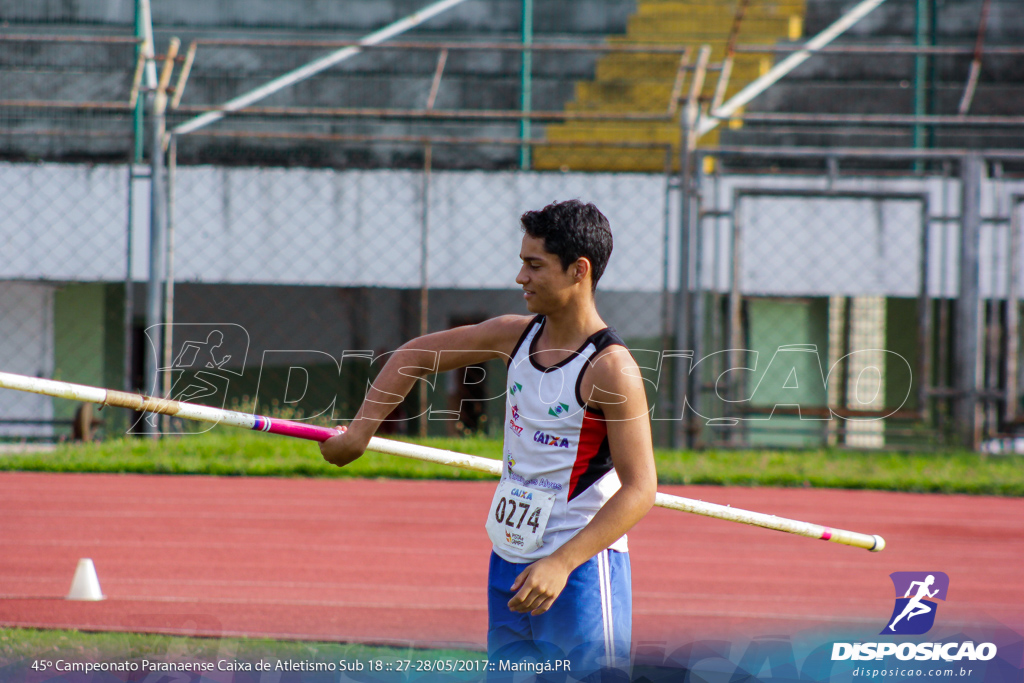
x: 578, y: 468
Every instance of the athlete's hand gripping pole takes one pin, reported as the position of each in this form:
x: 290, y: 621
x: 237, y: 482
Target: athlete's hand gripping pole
x: 191, y: 411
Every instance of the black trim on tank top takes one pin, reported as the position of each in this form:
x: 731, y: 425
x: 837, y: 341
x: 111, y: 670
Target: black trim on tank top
x: 565, y: 361
x: 601, y: 339
x: 522, y: 338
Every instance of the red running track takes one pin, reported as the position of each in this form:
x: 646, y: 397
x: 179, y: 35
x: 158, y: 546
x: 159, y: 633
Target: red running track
x: 405, y: 562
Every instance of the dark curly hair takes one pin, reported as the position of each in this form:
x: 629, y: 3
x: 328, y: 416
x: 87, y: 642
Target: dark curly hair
x: 571, y: 230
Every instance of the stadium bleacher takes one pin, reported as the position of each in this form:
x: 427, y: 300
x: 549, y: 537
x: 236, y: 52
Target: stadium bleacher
x: 880, y: 83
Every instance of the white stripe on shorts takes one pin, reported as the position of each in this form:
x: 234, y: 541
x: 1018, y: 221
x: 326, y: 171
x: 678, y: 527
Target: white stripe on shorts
x: 605, y: 581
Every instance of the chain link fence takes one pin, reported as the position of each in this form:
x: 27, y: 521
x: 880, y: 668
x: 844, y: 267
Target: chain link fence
x: 290, y: 286
x: 823, y: 300
x: 305, y: 237
x: 330, y: 270
x: 835, y: 309
x: 62, y: 225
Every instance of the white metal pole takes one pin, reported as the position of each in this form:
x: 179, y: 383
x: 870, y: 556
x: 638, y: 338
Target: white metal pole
x: 315, y: 67
x: 819, y: 41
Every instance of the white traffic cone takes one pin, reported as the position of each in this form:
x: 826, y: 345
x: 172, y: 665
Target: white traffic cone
x: 85, y: 585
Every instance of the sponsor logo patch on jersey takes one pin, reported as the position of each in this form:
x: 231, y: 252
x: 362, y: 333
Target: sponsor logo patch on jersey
x: 558, y: 410
x: 520, y: 493
x: 516, y: 428
x: 516, y: 387
x: 551, y: 440
x: 513, y: 538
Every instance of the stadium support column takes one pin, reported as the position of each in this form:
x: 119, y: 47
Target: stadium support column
x: 157, y: 231
x: 931, y: 92
x: 526, y: 86
x: 144, y: 33
x: 968, y: 331
x: 1013, y: 317
x: 424, y: 398
x: 154, y: 289
x: 684, y: 431
x: 921, y: 23
x: 168, y: 340
x: 681, y: 379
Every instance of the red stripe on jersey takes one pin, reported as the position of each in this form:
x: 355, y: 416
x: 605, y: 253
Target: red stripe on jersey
x: 592, y: 434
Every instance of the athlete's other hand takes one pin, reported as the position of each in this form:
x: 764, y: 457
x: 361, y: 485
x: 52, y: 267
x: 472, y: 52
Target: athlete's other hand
x: 342, y: 449
x: 538, y: 585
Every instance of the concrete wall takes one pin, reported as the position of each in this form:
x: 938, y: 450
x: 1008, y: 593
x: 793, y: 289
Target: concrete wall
x: 364, y: 229
x: 321, y: 227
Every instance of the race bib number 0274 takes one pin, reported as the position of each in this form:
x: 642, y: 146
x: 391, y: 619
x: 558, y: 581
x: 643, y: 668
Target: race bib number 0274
x: 518, y: 517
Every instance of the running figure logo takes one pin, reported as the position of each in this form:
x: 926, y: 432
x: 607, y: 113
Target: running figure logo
x: 201, y: 369
x: 914, y: 613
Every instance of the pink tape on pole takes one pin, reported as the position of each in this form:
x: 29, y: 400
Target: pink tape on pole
x: 296, y: 429
x: 826, y: 534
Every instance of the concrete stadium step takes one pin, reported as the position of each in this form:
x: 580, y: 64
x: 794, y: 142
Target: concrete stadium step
x: 854, y: 136
x: 233, y: 16
x: 571, y: 158
x: 885, y: 97
x: 631, y: 96
x: 642, y: 132
x: 746, y: 67
x: 678, y: 11
x: 707, y: 26
x: 877, y: 97
x: 685, y: 10
x: 619, y: 65
x: 958, y: 20
x: 642, y: 95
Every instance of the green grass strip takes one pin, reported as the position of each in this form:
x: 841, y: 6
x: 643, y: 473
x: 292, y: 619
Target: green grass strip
x: 240, y: 453
x: 944, y: 472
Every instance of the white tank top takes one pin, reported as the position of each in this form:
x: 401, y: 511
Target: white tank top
x: 554, y: 442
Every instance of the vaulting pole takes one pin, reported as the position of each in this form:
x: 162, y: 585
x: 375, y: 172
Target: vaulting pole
x: 300, y: 430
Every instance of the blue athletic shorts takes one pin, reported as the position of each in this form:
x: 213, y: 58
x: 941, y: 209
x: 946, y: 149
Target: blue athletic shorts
x: 589, y: 625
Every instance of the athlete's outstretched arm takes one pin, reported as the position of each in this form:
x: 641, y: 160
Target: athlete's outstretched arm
x: 431, y: 353
x: 614, y: 385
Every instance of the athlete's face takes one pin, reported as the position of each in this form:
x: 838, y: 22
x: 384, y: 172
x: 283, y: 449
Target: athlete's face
x: 546, y: 285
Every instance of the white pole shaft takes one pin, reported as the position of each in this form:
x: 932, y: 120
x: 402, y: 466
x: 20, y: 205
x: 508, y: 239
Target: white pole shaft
x: 315, y: 67
x: 191, y: 411
x: 664, y: 500
x: 785, y: 66
x: 146, y: 19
